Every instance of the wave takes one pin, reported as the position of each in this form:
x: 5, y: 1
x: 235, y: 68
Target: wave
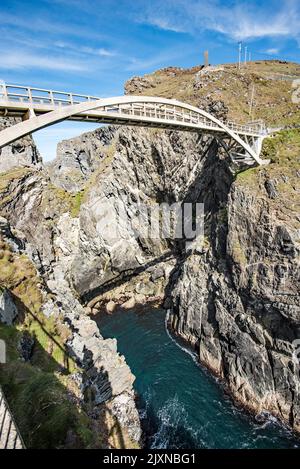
x: 184, y: 349
x: 173, y: 431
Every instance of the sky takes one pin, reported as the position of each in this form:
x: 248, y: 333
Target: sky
x: 94, y: 46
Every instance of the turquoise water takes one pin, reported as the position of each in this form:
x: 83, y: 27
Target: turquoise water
x: 180, y: 404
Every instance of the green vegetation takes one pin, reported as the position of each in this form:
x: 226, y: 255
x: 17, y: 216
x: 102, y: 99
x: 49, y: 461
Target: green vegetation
x: 272, y: 82
x: 77, y: 200
x: 44, y: 405
x: 41, y: 393
x: 12, y: 175
x: 283, y: 148
x: 284, y: 151
x: 60, y: 201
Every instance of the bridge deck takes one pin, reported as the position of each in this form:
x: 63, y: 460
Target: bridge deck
x: 40, y: 108
x: 17, y: 100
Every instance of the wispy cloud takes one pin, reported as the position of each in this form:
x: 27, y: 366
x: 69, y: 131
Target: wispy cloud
x: 162, y: 23
x: 49, y: 26
x: 19, y: 60
x: 272, y: 51
x: 97, y: 51
x: 237, y: 20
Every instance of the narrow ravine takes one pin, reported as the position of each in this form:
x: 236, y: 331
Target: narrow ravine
x: 181, y: 405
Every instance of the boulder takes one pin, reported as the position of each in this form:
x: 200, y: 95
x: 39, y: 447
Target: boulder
x: 110, y: 307
x: 129, y: 304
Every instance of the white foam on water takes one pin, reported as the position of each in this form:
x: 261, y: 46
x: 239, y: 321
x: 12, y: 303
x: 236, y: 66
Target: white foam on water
x: 184, y: 349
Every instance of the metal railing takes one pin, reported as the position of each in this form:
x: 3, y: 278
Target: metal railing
x: 10, y: 437
x: 24, y: 94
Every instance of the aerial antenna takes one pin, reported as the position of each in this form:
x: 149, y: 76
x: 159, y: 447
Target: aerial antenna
x: 240, y: 55
x: 206, y: 60
x: 246, y: 50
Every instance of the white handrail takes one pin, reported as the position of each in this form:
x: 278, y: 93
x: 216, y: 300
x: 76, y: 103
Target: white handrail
x: 178, y: 113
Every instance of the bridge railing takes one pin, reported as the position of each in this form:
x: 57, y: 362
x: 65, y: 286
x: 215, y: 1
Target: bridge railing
x: 257, y: 127
x: 162, y: 111
x: 23, y: 94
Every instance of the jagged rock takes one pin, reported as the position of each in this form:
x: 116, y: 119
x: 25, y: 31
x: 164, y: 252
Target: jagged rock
x: 225, y: 303
x: 141, y: 170
x: 123, y: 408
x: 215, y: 107
x: 157, y: 273
x: 5, y: 232
x: 106, y: 373
x: 232, y: 301
x: 78, y: 158
x: 147, y: 289
x: 271, y: 189
x: 136, y: 85
x: 8, y: 309
x: 23, y: 152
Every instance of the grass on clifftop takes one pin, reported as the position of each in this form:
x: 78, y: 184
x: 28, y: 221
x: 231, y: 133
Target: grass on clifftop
x: 283, y: 149
x: 271, y: 80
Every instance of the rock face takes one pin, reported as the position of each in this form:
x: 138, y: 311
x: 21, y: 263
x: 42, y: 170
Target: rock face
x: 225, y: 300
x: 104, y: 375
x: 78, y: 158
x: 137, y: 85
x: 23, y: 152
x: 139, y: 167
x: 77, y: 252
x: 238, y: 302
x: 8, y: 309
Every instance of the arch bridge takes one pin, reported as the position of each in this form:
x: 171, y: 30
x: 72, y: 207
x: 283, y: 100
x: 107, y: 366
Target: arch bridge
x: 40, y: 108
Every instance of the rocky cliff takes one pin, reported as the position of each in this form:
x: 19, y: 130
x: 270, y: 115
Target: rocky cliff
x: 62, y: 345
x: 238, y: 302
x: 235, y: 300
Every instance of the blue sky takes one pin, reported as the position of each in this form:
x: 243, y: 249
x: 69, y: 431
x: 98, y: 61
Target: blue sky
x: 94, y: 46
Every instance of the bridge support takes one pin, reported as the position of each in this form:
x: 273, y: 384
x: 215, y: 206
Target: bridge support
x: 238, y: 154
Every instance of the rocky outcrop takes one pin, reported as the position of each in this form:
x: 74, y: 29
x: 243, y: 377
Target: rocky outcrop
x: 137, y: 85
x: 103, y: 376
x: 8, y: 309
x: 238, y: 302
x: 140, y: 167
x: 75, y: 251
x: 21, y: 153
x: 78, y: 158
